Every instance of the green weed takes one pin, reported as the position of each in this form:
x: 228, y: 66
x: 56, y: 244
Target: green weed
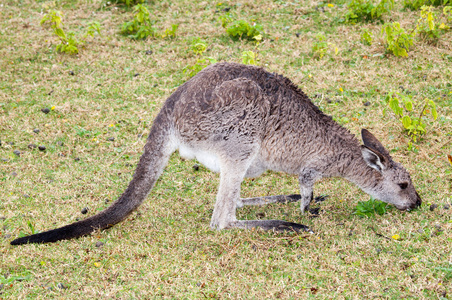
x: 428, y: 23
x: 200, y: 64
x: 198, y: 46
x: 249, y: 58
x: 68, y: 43
x: 413, y: 4
x: 171, y: 33
x: 367, y: 11
x: 141, y: 25
x: 32, y: 227
x: 241, y: 29
x: 447, y: 12
x: 225, y: 20
x: 417, y: 4
x: 398, y: 42
x: 320, y: 46
x: 128, y: 3
x: 366, y: 37
x: 92, y: 28
x: 411, y: 114
x: 370, y: 208
x: 447, y: 271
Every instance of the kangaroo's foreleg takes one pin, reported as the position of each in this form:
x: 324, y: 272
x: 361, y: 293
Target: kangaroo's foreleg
x: 306, y: 179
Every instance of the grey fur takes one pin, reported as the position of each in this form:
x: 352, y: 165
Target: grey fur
x: 241, y: 121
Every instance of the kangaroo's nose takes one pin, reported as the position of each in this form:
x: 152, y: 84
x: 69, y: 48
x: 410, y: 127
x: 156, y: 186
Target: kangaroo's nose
x: 418, y: 200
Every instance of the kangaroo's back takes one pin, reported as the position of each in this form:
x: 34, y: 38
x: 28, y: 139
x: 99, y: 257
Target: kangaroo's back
x: 296, y: 130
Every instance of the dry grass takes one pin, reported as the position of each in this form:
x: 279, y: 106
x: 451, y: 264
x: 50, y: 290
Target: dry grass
x: 166, y: 249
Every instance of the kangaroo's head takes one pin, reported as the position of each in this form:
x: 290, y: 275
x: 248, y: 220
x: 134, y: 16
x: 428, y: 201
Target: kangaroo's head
x: 394, y: 185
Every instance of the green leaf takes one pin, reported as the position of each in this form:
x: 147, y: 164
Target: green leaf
x: 249, y: 58
x: 140, y: 17
x: 406, y: 121
x: 32, y: 227
x: 421, y: 127
x: 59, y: 32
x: 388, y: 97
x: 380, y: 207
x: 431, y: 23
x: 433, y: 107
x: 394, y: 105
x: 242, y: 29
x: 408, y: 105
x: 434, y: 113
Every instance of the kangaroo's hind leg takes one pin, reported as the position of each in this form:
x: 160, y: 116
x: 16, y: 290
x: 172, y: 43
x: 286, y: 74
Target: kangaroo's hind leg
x: 224, y: 214
x: 269, y: 199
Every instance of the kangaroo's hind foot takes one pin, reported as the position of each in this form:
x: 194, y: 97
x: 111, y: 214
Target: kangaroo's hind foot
x: 276, y: 225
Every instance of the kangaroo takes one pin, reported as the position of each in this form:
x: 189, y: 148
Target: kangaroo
x: 241, y: 120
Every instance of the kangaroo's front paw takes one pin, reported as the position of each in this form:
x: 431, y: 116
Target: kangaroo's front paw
x: 306, y: 199
x: 239, y: 203
x: 304, y: 205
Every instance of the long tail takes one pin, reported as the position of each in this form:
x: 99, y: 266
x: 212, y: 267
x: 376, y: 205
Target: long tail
x: 157, y: 150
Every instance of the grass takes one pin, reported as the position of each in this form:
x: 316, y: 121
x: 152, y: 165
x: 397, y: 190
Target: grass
x: 166, y: 249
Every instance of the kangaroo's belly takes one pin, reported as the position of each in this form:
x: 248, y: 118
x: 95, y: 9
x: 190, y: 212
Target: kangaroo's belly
x: 211, y: 160
x: 208, y: 159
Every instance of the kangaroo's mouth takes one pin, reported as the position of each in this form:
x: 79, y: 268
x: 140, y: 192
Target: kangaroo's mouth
x: 402, y: 207
x: 413, y: 205
x: 418, y: 200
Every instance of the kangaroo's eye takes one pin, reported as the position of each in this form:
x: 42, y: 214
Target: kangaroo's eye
x: 403, y: 185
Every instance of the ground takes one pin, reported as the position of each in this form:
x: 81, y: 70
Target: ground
x: 101, y: 103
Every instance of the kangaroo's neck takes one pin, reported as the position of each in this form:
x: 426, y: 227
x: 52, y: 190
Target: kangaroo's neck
x: 351, y: 166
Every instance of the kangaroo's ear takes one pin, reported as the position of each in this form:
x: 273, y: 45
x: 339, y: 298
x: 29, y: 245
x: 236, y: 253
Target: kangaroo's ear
x: 374, y: 159
x: 371, y: 142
